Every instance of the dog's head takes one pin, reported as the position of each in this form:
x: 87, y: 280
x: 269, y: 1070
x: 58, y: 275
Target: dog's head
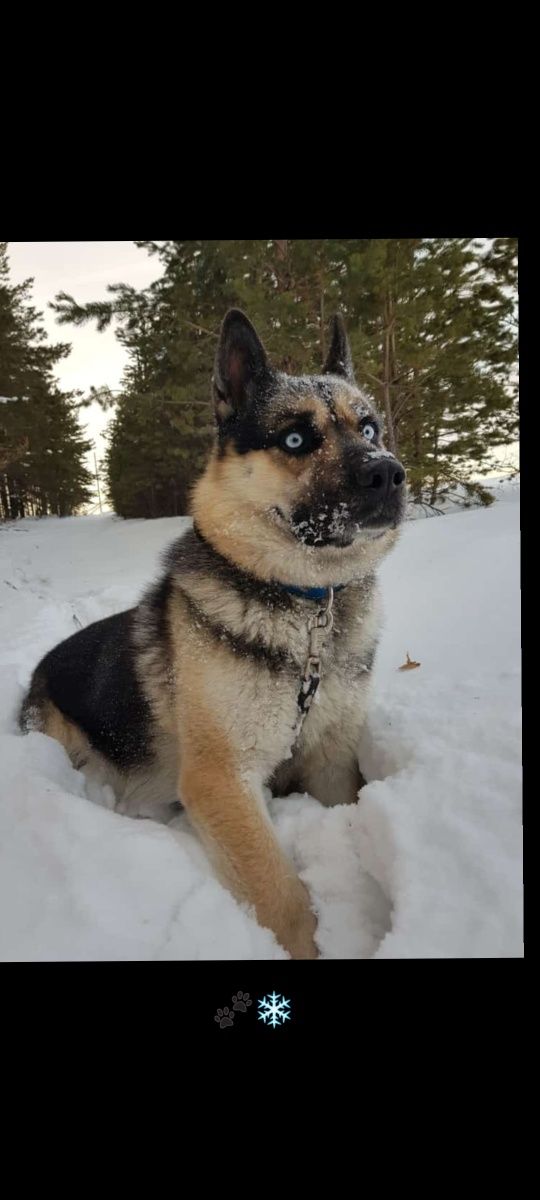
x: 300, y: 487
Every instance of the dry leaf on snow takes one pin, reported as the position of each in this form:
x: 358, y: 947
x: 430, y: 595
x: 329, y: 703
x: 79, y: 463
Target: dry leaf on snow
x: 409, y: 665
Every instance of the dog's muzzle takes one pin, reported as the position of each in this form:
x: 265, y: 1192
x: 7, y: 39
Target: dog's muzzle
x: 371, y: 497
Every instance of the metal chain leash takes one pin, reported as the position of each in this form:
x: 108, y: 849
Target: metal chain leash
x: 319, y: 627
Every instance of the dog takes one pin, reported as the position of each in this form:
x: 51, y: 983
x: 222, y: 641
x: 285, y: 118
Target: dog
x: 248, y: 663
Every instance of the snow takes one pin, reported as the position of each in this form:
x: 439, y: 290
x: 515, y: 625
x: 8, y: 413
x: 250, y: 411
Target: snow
x: 456, y: 498
x: 428, y: 864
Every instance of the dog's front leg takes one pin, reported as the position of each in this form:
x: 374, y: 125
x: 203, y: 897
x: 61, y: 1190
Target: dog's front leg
x: 242, y: 843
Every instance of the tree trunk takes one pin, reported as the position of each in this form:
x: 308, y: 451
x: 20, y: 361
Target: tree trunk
x: 390, y: 437
x: 435, y: 483
x: 4, y: 502
x: 322, y: 337
x: 282, y: 265
x: 13, y: 502
x: 417, y: 441
x: 417, y: 485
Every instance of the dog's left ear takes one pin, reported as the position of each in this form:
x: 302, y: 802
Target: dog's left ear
x: 339, y: 359
x: 241, y: 369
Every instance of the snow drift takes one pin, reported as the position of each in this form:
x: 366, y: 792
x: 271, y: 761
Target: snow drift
x: 428, y: 864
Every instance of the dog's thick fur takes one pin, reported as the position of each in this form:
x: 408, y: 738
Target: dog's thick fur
x: 192, y: 695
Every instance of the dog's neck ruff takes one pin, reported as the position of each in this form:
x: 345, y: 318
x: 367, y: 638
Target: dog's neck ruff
x: 319, y: 625
x: 306, y: 593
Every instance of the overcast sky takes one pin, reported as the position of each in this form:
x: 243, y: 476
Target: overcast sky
x: 83, y: 269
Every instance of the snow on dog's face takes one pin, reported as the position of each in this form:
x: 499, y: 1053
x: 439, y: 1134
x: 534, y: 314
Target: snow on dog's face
x: 299, y: 463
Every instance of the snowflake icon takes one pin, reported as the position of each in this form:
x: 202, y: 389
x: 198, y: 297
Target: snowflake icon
x: 273, y: 1009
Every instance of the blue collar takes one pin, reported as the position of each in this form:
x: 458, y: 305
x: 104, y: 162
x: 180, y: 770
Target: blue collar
x: 314, y: 593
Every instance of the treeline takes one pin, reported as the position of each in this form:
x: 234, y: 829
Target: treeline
x: 42, y: 447
x: 433, y: 329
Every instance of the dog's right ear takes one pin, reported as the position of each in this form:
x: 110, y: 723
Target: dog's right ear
x: 339, y: 359
x: 241, y: 368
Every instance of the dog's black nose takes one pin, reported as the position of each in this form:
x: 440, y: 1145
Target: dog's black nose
x: 383, y: 475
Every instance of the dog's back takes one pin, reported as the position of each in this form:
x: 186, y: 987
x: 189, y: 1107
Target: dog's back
x: 90, y: 678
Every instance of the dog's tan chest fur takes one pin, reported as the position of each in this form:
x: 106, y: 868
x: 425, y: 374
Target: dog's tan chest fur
x: 255, y: 705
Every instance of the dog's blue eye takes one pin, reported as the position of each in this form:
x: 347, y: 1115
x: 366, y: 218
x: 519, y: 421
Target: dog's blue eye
x: 369, y: 432
x: 293, y: 441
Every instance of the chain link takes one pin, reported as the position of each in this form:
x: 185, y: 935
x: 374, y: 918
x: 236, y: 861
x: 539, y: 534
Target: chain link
x: 319, y: 626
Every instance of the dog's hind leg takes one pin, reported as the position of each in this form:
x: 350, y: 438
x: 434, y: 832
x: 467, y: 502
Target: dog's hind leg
x: 329, y: 782
x: 333, y: 782
x: 329, y: 769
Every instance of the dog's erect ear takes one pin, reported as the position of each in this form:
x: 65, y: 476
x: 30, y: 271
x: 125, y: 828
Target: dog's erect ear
x: 241, y: 368
x: 339, y: 359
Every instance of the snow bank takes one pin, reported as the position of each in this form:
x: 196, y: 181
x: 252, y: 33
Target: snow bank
x: 427, y: 865
x: 457, y: 498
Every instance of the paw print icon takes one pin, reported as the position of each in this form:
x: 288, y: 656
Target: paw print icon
x: 224, y: 1017
x: 241, y: 1002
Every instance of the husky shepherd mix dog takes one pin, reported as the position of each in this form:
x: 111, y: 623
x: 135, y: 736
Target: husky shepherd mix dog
x: 201, y: 693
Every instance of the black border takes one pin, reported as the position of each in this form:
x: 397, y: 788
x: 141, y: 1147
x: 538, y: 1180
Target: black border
x: 375, y: 1010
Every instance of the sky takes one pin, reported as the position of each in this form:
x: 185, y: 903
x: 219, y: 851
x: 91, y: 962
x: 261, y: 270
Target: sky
x: 84, y: 269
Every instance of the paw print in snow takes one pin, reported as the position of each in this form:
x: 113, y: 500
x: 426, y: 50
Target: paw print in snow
x: 241, y: 1002
x: 224, y: 1017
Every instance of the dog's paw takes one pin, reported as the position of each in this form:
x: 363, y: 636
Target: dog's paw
x: 224, y: 1017
x: 241, y: 1002
x: 301, y: 943
x: 298, y: 936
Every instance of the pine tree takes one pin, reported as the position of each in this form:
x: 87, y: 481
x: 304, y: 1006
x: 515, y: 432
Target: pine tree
x: 41, y: 442
x: 431, y: 324
x: 434, y: 334
x: 161, y: 429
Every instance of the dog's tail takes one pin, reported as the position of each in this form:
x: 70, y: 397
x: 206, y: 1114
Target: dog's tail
x: 32, y: 710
